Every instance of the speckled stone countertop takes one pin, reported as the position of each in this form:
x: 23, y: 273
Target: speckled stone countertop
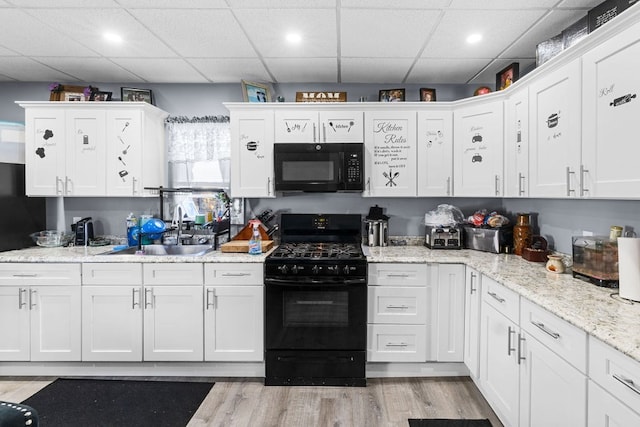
x: 613, y: 320
x: 589, y: 307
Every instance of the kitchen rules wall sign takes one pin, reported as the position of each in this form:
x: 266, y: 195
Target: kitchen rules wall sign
x: 391, y: 151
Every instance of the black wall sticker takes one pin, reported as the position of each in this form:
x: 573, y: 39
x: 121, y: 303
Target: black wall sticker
x: 47, y: 134
x: 40, y: 152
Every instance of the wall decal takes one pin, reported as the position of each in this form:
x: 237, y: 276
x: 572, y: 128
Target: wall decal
x: 40, y: 152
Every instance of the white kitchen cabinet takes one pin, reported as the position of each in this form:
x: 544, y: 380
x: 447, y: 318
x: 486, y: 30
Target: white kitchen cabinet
x: 450, y: 279
x: 516, y: 144
x: 233, y: 319
x: 610, y: 108
x: 173, y: 320
x: 390, y: 154
x: 40, y: 311
x: 478, y: 149
x: 554, y: 129
x: 112, y: 312
x: 472, y: 304
x: 93, y: 149
x: 435, y: 153
x: 606, y: 410
x: 400, y: 303
x: 499, y: 350
x: 252, y: 138
x: 309, y: 126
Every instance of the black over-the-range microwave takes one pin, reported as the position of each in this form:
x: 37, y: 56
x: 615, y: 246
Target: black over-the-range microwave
x: 316, y: 167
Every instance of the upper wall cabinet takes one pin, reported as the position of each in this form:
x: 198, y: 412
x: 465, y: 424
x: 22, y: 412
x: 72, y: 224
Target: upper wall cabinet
x: 516, y: 144
x: 313, y: 126
x: 554, y: 125
x: 390, y: 154
x: 611, y: 108
x: 478, y: 149
x: 252, y: 153
x: 435, y: 153
x: 93, y: 149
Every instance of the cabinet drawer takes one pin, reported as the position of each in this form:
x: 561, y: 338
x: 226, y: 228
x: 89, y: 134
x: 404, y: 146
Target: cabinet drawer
x: 605, y: 410
x: 111, y: 274
x: 398, y: 274
x: 393, y: 304
x: 173, y: 274
x: 564, y: 339
x: 237, y: 273
x: 615, y: 372
x: 502, y: 299
x: 397, y: 343
x: 39, y: 274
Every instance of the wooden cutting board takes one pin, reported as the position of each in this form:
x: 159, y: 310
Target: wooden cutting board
x: 242, y: 246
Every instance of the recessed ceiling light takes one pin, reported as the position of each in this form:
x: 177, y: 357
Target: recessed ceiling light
x: 112, y: 37
x: 474, y: 38
x: 294, y: 38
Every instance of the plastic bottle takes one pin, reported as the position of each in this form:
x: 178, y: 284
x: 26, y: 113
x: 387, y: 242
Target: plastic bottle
x: 132, y: 230
x: 255, y: 243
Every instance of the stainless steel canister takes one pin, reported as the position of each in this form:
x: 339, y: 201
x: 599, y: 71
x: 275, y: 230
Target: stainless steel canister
x: 377, y: 232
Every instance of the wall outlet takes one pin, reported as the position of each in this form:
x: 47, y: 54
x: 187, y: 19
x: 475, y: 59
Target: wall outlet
x: 76, y: 219
x: 587, y: 233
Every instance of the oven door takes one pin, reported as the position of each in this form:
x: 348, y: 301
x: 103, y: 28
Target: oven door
x: 312, y: 316
x: 308, y: 167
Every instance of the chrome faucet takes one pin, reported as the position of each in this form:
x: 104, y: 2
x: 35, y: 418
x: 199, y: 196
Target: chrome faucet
x: 179, y: 213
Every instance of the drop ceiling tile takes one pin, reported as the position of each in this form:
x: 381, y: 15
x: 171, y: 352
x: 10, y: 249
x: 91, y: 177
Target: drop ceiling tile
x: 374, y: 70
x: 580, y: 4
x: 87, y: 4
x: 6, y: 52
x: 40, y: 40
x: 174, y: 4
x: 161, y: 70
x: 91, y: 70
x: 303, y: 70
x: 282, y: 4
x: 385, y: 33
x: 501, y: 4
x: 28, y: 70
x: 3, y: 3
x: 397, y: 4
x: 489, y: 75
x: 499, y: 28
x: 218, y: 34
x: 231, y: 70
x: 266, y: 30
x: 444, y: 71
x: 88, y: 25
x: 553, y: 25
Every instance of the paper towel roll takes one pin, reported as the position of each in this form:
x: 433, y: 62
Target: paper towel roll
x: 629, y: 267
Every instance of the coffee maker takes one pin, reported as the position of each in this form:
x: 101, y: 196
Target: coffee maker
x: 377, y: 227
x: 83, y: 230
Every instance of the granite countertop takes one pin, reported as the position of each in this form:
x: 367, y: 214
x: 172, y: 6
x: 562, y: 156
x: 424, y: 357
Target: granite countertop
x: 591, y: 308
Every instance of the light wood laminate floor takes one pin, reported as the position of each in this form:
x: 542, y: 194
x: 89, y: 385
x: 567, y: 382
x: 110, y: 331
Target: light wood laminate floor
x: 384, y: 402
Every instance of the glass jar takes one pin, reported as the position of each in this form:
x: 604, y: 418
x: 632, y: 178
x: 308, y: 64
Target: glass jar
x: 522, y: 233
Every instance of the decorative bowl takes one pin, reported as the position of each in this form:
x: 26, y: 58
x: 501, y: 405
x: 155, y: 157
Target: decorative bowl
x: 51, y: 238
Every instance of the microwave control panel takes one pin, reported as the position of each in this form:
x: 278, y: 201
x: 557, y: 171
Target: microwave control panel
x: 353, y: 168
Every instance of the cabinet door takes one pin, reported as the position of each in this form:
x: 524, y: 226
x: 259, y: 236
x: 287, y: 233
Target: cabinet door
x: 296, y: 126
x: 450, y: 324
x: 499, y: 370
x: 55, y: 323
x: 611, y: 106
x: 435, y: 153
x: 14, y: 316
x: 234, y: 323
x: 173, y: 323
x: 86, y: 150
x: 252, y: 154
x: 342, y: 126
x: 478, y: 150
x: 516, y: 144
x: 111, y: 323
x: 390, y: 154
x: 554, y: 126
x: 552, y: 392
x: 124, y: 156
x: 473, y: 290
x: 45, y: 156
x: 606, y: 410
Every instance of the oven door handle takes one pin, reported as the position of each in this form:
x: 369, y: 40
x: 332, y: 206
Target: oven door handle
x: 301, y: 281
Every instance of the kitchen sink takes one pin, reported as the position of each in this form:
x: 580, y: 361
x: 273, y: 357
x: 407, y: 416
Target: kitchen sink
x: 164, y: 250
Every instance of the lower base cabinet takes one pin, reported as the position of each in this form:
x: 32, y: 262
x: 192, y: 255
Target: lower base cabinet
x: 606, y: 410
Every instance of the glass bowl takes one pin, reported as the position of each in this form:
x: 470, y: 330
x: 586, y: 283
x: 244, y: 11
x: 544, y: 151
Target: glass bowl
x: 51, y: 238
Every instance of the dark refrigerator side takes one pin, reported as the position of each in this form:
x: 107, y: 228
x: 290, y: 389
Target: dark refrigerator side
x: 19, y: 215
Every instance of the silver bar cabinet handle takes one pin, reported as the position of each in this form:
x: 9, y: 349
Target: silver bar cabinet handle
x: 67, y: 186
x: 21, y: 301
x: 210, y: 302
x: 401, y: 344
x: 569, y: 190
x: 134, y: 181
x: 497, y: 185
x: 268, y: 185
x: 496, y: 297
x: 510, y: 331
x: 314, y: 132
x: 32, y: 298
x: 544, y: 329
x: 521, y: 339
x: 627, y: 382
x: 520, y: 182
x: 398, y: 307
x: 448, y: 186
x: 133, y: 298
x: 148, y: 302
x: 472, y: 289
x: 58, y: 190
x: 582, y: 172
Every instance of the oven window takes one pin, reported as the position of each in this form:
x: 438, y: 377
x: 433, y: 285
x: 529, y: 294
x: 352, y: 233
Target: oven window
x: 313, y: 170
x: 316, y: 308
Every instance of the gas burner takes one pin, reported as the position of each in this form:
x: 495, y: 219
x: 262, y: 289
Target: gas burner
x: 318, y: 250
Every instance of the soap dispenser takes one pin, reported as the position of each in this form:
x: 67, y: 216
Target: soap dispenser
x: 255, y: 243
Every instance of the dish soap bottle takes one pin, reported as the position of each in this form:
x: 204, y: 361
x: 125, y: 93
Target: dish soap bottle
x: 255, y: 243
x: 132, y: 230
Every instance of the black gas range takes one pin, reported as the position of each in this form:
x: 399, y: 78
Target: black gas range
x: 316, y: 302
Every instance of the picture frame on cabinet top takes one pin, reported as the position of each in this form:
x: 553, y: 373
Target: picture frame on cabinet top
x: 391, y: 95
x: 132, y: 94
x: 100, y: 96
x: 507, y: 76
x: 255, y: 92
x: 427, y: 94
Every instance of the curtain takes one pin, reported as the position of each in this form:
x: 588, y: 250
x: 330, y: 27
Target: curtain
x: 198, y: 151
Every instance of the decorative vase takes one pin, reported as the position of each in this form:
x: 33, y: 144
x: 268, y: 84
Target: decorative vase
x: 555, y: 264
x: 522, y: 233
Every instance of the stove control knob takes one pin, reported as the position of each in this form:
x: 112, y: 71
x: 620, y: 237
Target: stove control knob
x: 315, y: 269
x: 345, y: 270
x: 294, y: 269
x: 336, y: 269
x: 283, y: 269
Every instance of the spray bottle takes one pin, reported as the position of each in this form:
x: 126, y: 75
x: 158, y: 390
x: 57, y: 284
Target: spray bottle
x: 255, y: 243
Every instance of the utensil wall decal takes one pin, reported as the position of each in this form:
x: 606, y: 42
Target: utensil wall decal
x: 126, y: 150
x: 622, y: 100
x: 390, y: 178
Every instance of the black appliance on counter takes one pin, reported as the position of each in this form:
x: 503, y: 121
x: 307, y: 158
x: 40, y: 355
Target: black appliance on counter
x: 316, y: 302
